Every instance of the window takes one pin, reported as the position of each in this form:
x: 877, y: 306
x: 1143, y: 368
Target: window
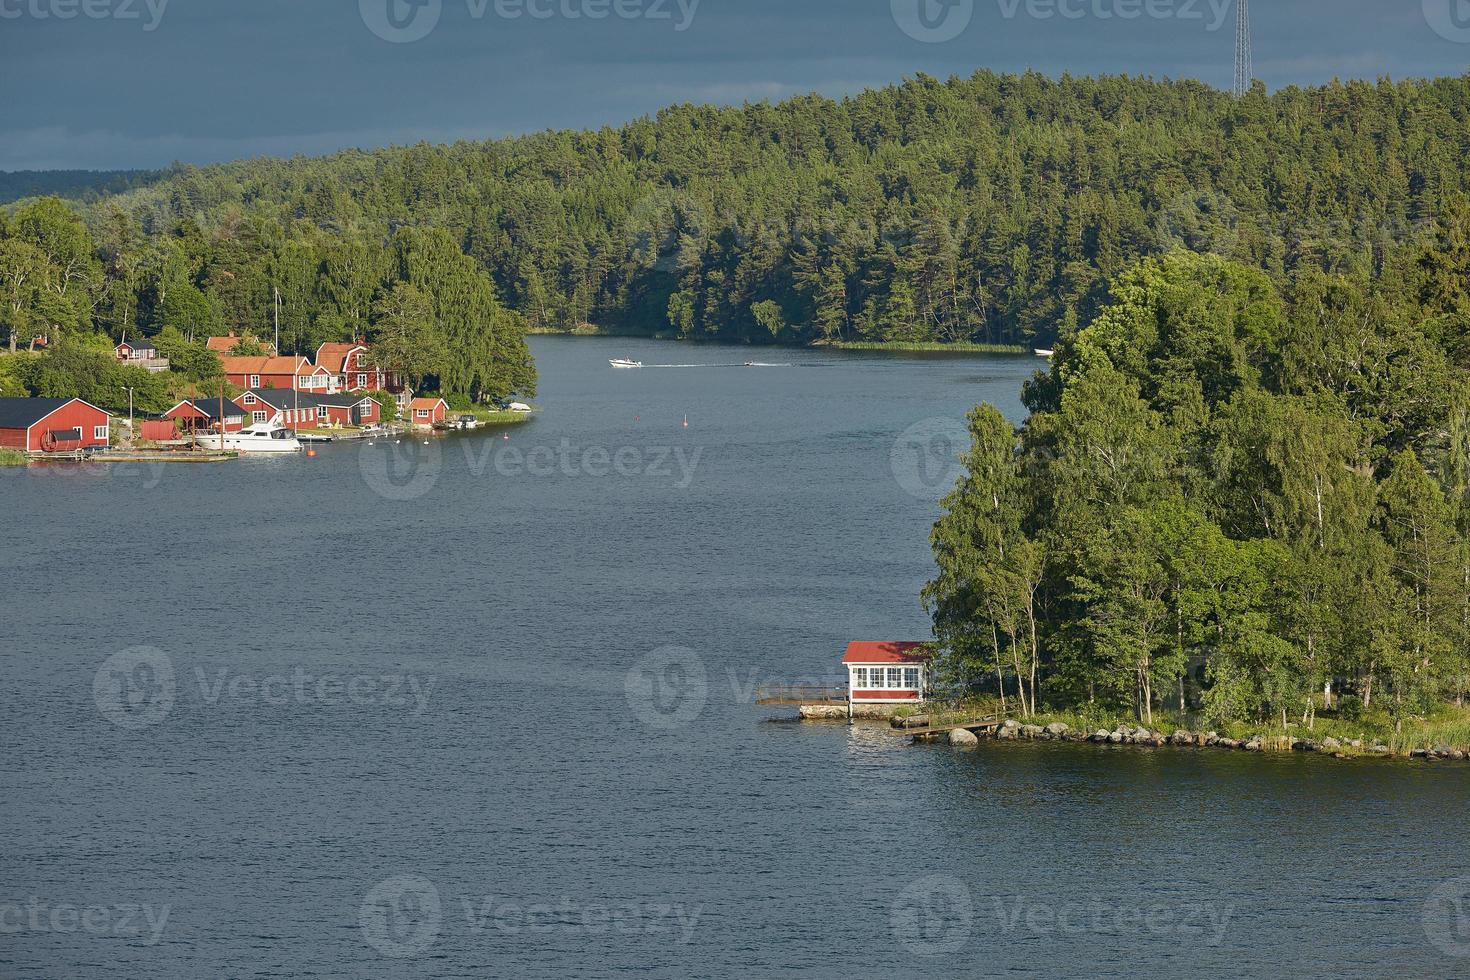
x: 362, y: 381
x: 321, y: 411
x: 422, y: 413
x: 911, y: 678
x: 99, y: 432
x: 895, y: 678
x: 859, y: 677
x: 361, y: 359
x: 257, y: 416
x: 249, y: 399
x: 255, y: 381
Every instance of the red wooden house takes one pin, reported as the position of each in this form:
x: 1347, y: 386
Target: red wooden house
x: 288, y: 373
x: 52, y: 425
x: 303, y: 410
x: 885, y: 671
x: 352, y: 364
x: 140, y: 353
x: 202, y: 415
x: 427, y: 412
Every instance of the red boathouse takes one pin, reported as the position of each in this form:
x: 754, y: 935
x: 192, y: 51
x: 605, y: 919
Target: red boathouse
x: 52, y: 425
x: 885, y: 671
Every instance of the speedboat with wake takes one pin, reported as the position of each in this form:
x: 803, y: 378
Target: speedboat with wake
x: 623, y: 362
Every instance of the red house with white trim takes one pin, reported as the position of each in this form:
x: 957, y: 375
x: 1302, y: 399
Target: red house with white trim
x: 202, y: 415
x: 301, y: 410
x: 288, y: 373
x: 426, y: 412
x: 886, y: 671
x: 52, y: 425
x: 140, y: 353
x: 352, y: 364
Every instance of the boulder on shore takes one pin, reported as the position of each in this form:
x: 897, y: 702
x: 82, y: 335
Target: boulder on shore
x: 1056, y: 729
x: 1100, y: 735
x: 963, y: 738
x: 1331, y: 744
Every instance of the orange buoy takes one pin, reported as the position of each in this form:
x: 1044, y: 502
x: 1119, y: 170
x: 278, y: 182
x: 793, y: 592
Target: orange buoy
x: 310, y: 453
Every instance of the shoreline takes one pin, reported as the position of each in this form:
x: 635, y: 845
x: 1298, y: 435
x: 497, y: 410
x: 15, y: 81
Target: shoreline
x: 873, y: 346
x: 1010, y: 730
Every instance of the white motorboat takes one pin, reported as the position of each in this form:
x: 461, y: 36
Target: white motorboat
x: 1043, y: 352
x: 262, y: 437
x: 623, y: 362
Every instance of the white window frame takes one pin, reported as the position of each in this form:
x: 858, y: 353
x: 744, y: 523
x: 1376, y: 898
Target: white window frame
x: 362, y: 381
x: 257, y: 417
x: 255, y: 381
x: 321, y: 412
x: 99, y: 432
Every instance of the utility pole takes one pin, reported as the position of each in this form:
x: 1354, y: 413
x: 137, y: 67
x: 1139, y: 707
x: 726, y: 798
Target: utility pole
x: 130, y: 408
x: 1243, y: 67
x: 278, y: 319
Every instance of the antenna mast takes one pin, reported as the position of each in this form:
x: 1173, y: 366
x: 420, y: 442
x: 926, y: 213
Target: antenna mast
x: 1243, y: 70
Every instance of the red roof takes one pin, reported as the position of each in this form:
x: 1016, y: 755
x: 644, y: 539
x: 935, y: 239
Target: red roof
x: 884, y: 652
x: 333, y: 357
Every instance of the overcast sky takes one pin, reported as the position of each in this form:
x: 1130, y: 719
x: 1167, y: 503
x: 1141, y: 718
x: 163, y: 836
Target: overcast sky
x: 141, y: 83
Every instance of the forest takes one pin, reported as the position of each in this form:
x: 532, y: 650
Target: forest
x: 989, y: 209
x: 1231, y: 499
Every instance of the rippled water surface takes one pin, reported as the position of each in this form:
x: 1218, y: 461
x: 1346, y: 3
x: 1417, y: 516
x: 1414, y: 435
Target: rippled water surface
x: 480, y: 708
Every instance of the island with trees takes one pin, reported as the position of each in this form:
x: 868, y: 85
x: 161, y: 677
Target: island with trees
x: 1233, y: 505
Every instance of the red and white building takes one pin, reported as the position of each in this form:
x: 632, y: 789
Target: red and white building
x: 288, y: 373
x: 52, y: 425
x: 140, y: 353
x: 352, y: 364
x: 886, y: 671
x: 203, y: 415
x: 427, y: 412
x: 302, y: 410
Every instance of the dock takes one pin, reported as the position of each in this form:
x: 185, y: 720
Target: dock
x: 987, y: 724
x: 800, y: 694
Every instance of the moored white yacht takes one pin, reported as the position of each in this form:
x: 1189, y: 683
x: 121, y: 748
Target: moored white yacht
x: 623, y: 362
x: 262, y: 437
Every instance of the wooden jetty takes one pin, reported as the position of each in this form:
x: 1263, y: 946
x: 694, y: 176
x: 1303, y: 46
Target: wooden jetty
x: 940, y: 727
x: 800, y: 694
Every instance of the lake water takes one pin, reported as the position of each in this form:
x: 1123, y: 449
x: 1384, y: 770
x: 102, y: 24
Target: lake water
x: 481, y: 708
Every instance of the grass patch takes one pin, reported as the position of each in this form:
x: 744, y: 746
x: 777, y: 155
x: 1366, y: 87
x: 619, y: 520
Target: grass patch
x: 13, y: 457
x: 959, y: 347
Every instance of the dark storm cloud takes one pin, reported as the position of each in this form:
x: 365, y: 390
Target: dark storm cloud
x: 143, y: 82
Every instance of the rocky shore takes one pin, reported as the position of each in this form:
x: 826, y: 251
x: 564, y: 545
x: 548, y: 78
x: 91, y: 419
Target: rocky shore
x: 1012, y: 730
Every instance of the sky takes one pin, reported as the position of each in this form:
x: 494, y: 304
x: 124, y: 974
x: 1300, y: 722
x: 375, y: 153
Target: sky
x: 104, y: 84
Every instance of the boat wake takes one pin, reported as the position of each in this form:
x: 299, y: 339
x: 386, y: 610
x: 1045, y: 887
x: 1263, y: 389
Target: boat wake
x: 754, y: 364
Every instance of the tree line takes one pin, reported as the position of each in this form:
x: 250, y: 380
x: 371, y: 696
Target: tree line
x: 990, y: 209
x: 1230, y: 497
x: 73, y: 284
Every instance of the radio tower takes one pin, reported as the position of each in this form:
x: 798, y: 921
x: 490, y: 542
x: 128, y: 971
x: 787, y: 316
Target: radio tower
x: 1242, y: 48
